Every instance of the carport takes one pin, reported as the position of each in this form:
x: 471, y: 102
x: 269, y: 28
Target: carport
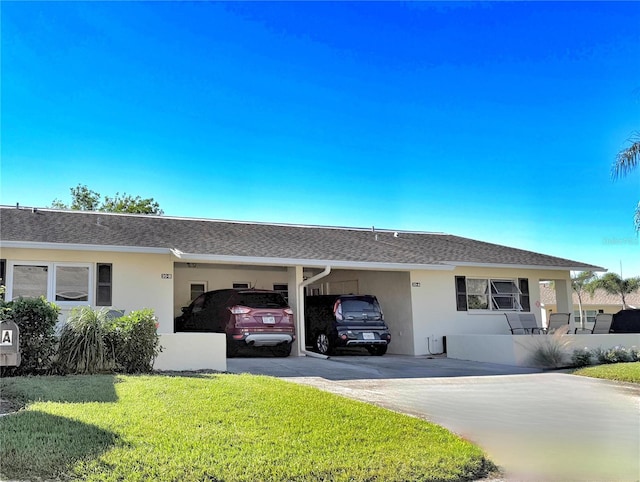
x: 390, y: 282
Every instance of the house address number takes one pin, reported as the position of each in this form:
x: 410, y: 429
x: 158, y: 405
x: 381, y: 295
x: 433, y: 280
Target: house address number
x: 166, y: 275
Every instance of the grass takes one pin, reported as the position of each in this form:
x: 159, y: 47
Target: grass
x: 622, y: 372
x: 217, y: 428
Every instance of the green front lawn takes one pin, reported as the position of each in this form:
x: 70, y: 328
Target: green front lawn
x: 622, y: 372
x: 215, y: 428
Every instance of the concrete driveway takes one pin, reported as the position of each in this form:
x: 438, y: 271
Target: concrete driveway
x: 536, y: 426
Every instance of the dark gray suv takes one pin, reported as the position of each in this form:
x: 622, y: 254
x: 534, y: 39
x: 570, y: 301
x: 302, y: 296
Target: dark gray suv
x: 333, y: 321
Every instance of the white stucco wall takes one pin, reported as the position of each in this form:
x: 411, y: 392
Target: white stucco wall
x: 137, y: 278
x: 192, y: 351
x: 434, y: 305
x: 517, y: 349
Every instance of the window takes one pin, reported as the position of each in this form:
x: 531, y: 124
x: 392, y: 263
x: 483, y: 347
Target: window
x: 104, y: 283
x: 491, y: 294
x: 283, y: 289
x: 240, y: 286
x: 589, y: 315
x: 29, y: 281
x: 196, y: 288
x: 64, y: 283
x: 71, y: 283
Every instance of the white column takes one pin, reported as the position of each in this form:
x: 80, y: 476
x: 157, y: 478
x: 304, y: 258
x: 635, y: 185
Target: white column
x: 564, y: 300
x: 295, y: 295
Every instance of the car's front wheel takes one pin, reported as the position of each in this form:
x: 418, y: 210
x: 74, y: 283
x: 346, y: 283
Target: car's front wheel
x: 323, y: 344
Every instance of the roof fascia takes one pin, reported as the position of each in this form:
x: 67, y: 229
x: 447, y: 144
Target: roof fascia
x: 526, y: 266
x: 83, y: 247
x: 311, y: 263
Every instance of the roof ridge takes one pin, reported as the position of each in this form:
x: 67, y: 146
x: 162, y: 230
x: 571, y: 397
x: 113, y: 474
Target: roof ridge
x: 231, y: 221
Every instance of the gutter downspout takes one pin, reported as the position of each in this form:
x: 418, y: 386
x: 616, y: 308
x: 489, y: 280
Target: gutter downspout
x: 301, y: 334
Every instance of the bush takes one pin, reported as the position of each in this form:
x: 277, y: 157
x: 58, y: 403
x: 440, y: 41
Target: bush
x: 92, y: 342
x: 134, y: 341
x: 82, y: 346
x: 617, y: 354
x: 36, y: 319
x: 581, y: 358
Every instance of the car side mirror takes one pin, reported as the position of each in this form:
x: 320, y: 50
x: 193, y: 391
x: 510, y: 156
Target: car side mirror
x: 184, y: 309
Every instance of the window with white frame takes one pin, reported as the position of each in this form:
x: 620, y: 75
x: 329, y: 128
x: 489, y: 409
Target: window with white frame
x: 64, y: 283
x: 196, y: 288
x: 589, y: 315
x: 29, y: 281
x: 240, y: 285
x: 492, y: 294
x: 71, y: 283
x: 283, y: 289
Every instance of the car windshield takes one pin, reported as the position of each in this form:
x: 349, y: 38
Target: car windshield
x: 365, y: 308
x: 261, y: 300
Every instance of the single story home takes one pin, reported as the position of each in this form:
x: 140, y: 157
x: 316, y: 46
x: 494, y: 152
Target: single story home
x: 599, y: 302
x: 430, y: 285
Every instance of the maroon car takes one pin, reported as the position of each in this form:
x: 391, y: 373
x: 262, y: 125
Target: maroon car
x: 249, y: 317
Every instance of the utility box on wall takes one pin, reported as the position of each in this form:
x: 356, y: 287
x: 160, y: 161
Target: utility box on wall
x: 9, y: 344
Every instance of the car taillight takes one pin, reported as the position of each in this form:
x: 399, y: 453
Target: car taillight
x: 288, y: 311
x: 240, y: 310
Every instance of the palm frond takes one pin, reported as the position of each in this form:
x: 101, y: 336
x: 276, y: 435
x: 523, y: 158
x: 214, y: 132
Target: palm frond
x: 627, y: 159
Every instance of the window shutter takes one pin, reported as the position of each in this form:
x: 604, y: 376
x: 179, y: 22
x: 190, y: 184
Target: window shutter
x: 461, y: 293
x: 104, y: 284
x: 523, y: 284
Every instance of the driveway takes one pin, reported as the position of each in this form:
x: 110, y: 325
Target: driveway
x: 537, y: 426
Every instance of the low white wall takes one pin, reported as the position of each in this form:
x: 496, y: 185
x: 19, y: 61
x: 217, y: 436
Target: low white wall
x: 192, y: 351
x: 517, y: 349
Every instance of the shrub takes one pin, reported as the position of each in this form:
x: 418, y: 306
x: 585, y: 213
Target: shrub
x: 617, y: 354
x: 36, y: 319
x: 82, y: 346
x: 550, y: 351
x: 134, y: 341
x: 581, y: 358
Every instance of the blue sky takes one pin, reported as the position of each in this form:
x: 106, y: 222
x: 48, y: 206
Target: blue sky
x: 495, y: 121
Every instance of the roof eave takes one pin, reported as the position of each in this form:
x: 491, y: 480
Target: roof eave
x: 526, y: 266
x: 310, y: 263
x: 84, y: 247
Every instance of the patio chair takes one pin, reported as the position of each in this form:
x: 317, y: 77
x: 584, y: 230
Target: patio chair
x: 529, y: 323
x: 602, y: 326
x: 514, y: 323
x: 559, y: 321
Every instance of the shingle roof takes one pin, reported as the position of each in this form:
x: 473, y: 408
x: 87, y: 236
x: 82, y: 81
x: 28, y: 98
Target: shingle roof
x: 260, y: 240
x: 600, y: 297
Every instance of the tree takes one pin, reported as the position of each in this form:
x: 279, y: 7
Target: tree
x: 84, y: 199
x: 579, y: 283
x: 613, y: 284
x: 626, y: 161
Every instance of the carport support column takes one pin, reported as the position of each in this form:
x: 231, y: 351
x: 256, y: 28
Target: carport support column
x: 564, y: 300
x: 295, y: 279
x: 300, y: 310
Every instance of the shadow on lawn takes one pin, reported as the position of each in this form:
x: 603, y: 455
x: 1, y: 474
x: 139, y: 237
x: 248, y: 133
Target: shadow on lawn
x: 44, y: 446
x: 69, y: 389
